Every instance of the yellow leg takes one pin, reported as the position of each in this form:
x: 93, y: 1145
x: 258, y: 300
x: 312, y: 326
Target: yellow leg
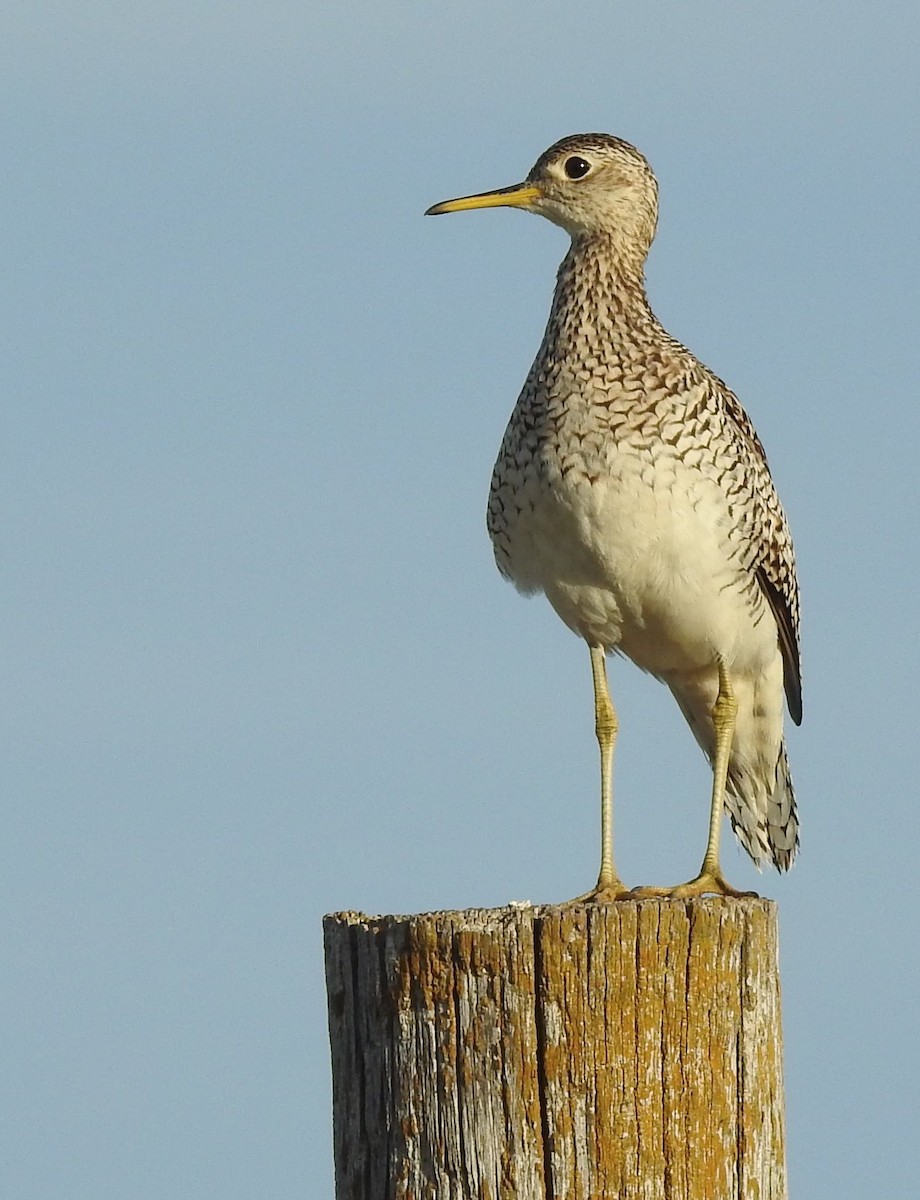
x: 710, y: 878
x: 609, y: 885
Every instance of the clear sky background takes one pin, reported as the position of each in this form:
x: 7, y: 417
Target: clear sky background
x: 257, y: 663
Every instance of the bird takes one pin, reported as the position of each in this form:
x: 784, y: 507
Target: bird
x: 632, y: 490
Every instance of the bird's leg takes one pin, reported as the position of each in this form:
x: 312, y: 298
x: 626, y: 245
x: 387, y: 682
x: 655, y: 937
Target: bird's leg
x: 710, y: 878
x: 724, y: 712
x: 609, y: 885
x: 605, y: 727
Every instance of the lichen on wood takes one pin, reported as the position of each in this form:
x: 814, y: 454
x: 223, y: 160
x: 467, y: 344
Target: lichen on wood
x: 575, y: 1053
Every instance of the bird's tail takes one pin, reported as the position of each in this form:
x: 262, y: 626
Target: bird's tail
x: 765, y: 821
x: 760, y: 798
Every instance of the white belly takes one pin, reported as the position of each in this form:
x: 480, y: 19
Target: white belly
x: 640, y: 560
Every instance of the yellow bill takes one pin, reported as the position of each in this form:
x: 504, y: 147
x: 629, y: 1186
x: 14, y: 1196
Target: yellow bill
x: 520, y: 195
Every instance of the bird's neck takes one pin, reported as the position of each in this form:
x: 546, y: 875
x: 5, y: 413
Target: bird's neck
x: 601, y: 287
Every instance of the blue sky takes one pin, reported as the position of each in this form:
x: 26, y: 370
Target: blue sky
x: 257, y: 662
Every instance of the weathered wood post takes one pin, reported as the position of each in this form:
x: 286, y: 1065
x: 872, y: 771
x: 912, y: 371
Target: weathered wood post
x: 631, y: 1050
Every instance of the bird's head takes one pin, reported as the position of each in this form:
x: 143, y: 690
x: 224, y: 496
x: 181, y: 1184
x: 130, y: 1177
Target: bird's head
x: 591, y: 184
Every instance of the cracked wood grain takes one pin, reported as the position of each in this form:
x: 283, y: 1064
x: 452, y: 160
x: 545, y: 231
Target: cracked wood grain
x: 624, y: 1051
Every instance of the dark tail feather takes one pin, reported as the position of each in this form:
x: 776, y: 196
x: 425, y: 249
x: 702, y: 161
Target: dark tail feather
x: 766, y: 826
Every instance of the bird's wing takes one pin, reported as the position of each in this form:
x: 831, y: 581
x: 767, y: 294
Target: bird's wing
x: 773, y: 561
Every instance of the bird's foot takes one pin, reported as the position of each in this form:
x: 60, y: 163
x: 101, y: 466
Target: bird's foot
x: 706, y: 883
x: 605, y: 891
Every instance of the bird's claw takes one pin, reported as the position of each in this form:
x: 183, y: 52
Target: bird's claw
x: 706, y: 883
x: 602, y: 893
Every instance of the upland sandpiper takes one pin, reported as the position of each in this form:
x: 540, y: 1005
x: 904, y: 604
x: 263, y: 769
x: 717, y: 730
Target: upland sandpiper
x: 632, y: 490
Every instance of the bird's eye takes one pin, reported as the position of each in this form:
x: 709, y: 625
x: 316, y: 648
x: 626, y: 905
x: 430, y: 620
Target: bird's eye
x: 576, y: 168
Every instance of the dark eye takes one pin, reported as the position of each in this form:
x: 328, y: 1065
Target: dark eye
x: 576, y: 168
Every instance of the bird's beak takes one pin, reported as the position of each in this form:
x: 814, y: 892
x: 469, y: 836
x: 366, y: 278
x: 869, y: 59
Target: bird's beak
x: 520, y: 195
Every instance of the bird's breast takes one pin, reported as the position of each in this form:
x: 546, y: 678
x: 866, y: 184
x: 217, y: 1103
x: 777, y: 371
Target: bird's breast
x: 626, y: 534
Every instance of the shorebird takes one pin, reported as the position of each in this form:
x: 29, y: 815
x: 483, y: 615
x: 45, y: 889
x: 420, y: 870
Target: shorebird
x: 633, y: 491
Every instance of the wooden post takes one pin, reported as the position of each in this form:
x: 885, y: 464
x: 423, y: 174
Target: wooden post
x: 630, y: 1050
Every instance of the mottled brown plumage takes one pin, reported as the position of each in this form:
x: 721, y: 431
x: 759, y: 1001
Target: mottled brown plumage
x: 632, y: 489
